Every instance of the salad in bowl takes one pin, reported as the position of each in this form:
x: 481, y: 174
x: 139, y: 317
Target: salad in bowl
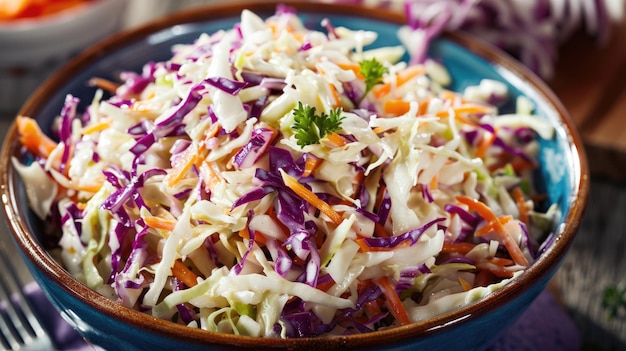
x: 274, y: 180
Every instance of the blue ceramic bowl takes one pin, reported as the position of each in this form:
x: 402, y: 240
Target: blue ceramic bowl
x: 563, y: 172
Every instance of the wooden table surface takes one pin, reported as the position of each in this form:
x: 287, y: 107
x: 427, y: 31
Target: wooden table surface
x: 590, y: 80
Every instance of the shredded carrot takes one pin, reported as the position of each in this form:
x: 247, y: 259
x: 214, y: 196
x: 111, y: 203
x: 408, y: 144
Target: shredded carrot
x: 466, y: 286
x: 505, y: 237
x: 461, y: 119
x: 325, y: 286
x: 461, y: 113
x: 273, y: 27
x: 212, y: 131
x: 467, y: 109
x: 396, y: 107
x: 258, y: 236
x: 244, y: 233
x: 379, y: 130
x: 98, y: 127
x: 522, y: 207
x: 351, y: 66
x: 160, y: 223
x: 364, y: 246
x: 485, y: 144
x: 184, y: 274
x: 90, y: 188
x: 337, y: 99
x: 331, y: 87
x: 209, y: 174
x: 182, y: 165
x: 380, y: 231
x: 461, y: 248
x: 496, y: 270
x: 380, y: 196
x: 401, y: 77
x: 358, y: 182
x: 104, y: 84
x: 492, y: 226
x: 372, y: 308
x: 33, y: 138
x: 434, y: 183
x: 293, y: 184
x: 483, y: 278
x: 208, y: 134
x: 310, y: 164
x: 519, y: 164
x: 507, y: 160
x: 450, y: 96
x: 394, y: 304
x: 501, y: 261
x: 336, y: 139
x: 423, y: 107
x: 146, y: 106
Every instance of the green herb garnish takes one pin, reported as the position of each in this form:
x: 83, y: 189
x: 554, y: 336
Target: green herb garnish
x: 614, y: 300
x: 372, y: 71
x: 310, y: 127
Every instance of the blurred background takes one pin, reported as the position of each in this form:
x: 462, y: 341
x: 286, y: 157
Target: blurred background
x: 577, y: 46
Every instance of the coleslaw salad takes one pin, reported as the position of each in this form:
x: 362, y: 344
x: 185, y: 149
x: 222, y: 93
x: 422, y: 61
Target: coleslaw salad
x: 188, y: 193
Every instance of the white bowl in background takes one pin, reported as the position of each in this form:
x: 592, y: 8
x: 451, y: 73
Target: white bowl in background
x: 32, y: 48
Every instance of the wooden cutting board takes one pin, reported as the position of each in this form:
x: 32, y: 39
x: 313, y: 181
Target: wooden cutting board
x: 590, y: 80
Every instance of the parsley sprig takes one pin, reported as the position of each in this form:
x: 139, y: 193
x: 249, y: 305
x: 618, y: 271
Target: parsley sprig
x: 614, y: 300
x: 372, y: 71
x: 311, y: 127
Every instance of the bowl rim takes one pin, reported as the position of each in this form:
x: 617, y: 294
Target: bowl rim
x: 42, y: 261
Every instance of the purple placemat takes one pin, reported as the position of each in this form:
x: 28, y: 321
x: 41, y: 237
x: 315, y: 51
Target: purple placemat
x: 545, y: 326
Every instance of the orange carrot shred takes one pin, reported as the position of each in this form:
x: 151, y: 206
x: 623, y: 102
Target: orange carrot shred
x: 337, y: 99
x: 311, y: 198
x: 501, y: 261
x: 310, y: 164
x: 104, y: 84
x: 160, y: 223
x: 465, y: 284
x: 491, y: 226
x: 336, y: 139
x: 518, y: 195
x: 485, y: 143
x: 98, y: 127
x: 91, y: 188
x: 209, y: 174
x: 184, y: 274
x: 423, y: 107
x: 396, y: 107
x: 434, y: 183
x: 259, y: 237
x: 351, y: 66
x: 401, y: 77
x: 461, y: 248
x: 182, y: 165
x: 33, y: 138
x: 505, y: 237
x: 325, y: 286
x: 393, y: 300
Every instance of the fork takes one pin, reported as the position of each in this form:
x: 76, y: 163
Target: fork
x: 19, y: 327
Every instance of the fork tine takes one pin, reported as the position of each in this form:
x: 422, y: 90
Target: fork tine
x: 19, y: 325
